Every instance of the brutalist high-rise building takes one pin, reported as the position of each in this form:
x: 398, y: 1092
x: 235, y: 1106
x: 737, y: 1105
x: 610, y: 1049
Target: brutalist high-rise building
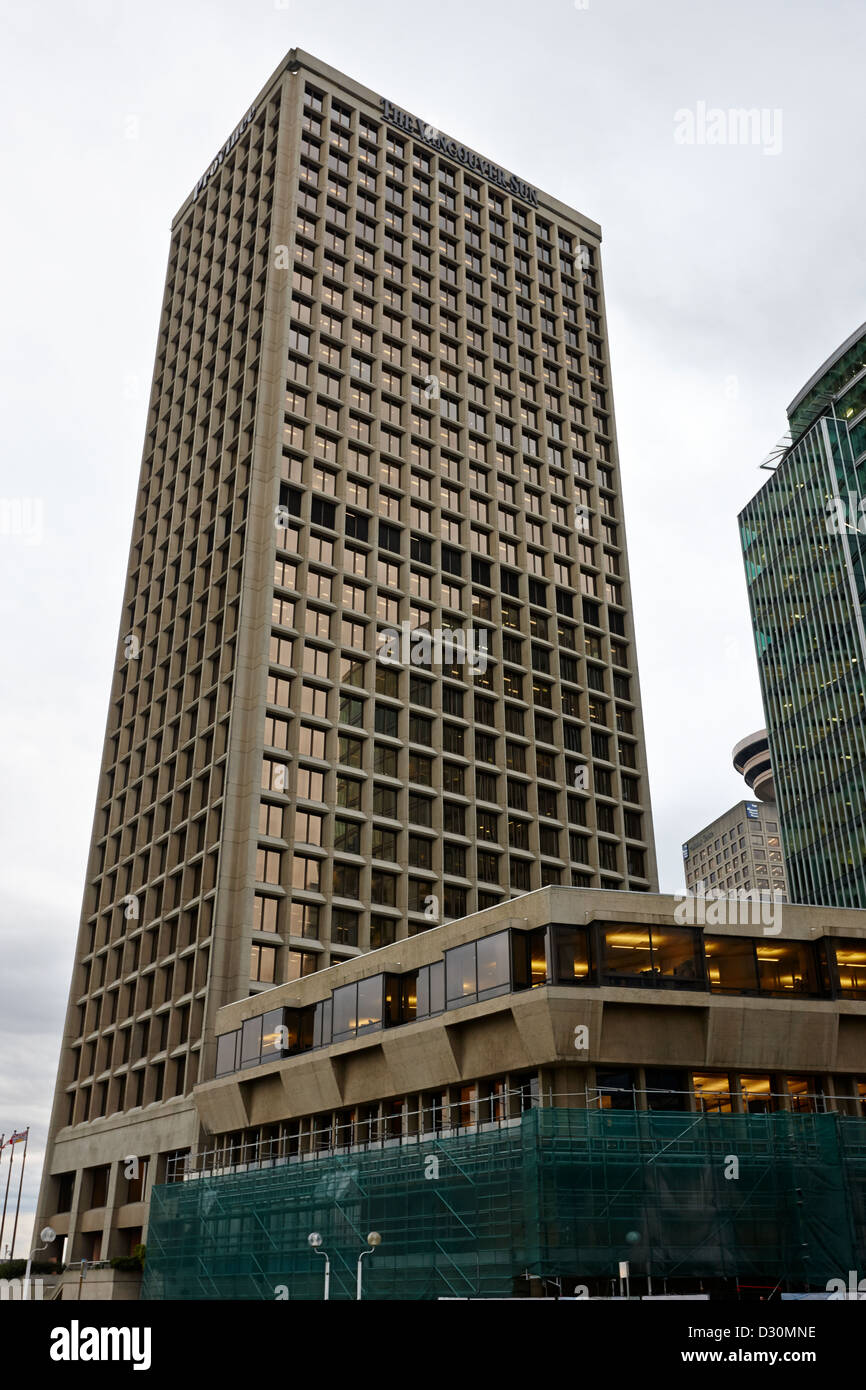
x: 381, y: 408
x: 804, y: 544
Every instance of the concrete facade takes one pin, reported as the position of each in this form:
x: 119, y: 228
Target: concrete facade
x: 741, y: 850
x: 773, y: 1048
x: 751, y: 758
x: 381, y: 398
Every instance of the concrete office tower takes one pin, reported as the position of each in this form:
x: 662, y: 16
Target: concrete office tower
x: 804, y: 545
x: 381, y: 403
x: 739, y: 851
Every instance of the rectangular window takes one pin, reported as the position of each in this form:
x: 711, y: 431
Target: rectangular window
x: 347, y: 836
x: 713, y: 1092
x: 478, y: 970
x: 615, y: 1088
x: 265, y: 913
x: 571, y: 955
x: 267, y: 866
x: 430, y: 990
x: 383, y: 889
x: 357, y: 1008
x: 383, y: 931
x: 347, y: 881
x: 786, y: 967
x: 344, y: 927
x: 657, y: 957
x: 851, y: 968
x: 731, y: 964
x: 263, y: 964
x: 228, y: 1059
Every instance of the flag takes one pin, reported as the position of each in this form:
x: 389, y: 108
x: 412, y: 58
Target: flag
x: 19, y: 1137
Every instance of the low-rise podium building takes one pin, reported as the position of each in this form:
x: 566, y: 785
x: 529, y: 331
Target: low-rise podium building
x: 530, y: 1095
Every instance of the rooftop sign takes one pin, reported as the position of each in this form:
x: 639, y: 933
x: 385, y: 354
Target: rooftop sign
x: 414, y: 126
x: 226, y: 149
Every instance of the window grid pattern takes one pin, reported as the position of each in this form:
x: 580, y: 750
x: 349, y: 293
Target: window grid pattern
x: 448, y: 460
x: 806, y: 592
x: 137, y: 1008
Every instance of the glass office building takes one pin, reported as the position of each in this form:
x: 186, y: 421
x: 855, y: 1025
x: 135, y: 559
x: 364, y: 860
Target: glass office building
x: 804, y: 545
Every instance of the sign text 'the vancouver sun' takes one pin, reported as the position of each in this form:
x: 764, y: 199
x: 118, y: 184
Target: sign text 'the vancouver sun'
x: 415, y: 127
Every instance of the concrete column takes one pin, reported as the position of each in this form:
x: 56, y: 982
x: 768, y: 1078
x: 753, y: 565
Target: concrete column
x: 149, y: 1183
x: 72, y: 1238
x: 830, y: 1100
x: 109, y: 1229
x: 640, y: 1099
x: 568, y: 1083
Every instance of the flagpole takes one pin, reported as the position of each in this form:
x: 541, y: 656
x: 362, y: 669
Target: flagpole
x: 6, y: 1198
x: 20, y: 1185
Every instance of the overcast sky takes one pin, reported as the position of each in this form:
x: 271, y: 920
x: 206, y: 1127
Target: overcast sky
x: 731, y: 271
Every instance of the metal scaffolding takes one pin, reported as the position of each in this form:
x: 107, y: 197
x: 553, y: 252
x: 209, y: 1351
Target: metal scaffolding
x: 556, y: 1193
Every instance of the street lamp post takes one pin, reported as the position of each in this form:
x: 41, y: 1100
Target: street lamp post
x: 46, y: 1235
x: 315, y: 1240
x: 373, y: 1240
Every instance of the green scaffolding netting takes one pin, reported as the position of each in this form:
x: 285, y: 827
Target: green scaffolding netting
x: 557, y: 1193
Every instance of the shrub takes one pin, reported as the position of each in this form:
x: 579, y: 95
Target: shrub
x: 135, y: 1261
x: 15, y: 1269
